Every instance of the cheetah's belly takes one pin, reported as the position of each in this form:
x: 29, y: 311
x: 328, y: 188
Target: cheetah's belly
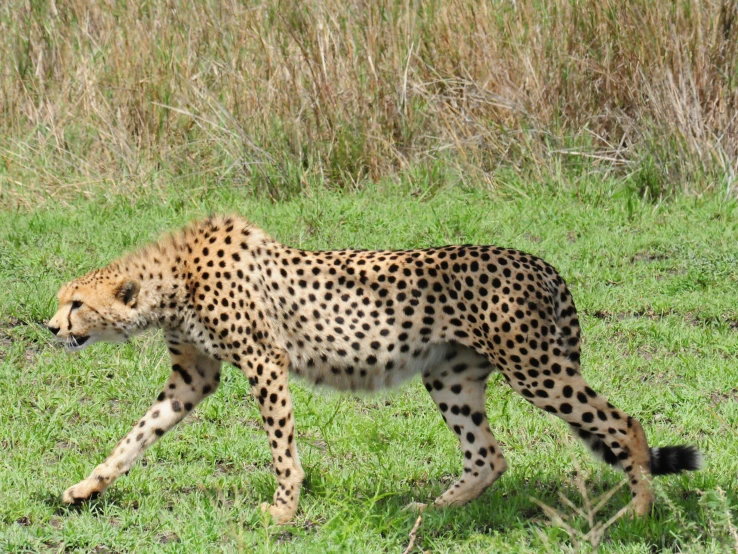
x: 335, y: 372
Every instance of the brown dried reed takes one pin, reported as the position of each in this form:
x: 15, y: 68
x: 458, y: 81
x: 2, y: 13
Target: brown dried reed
x: 281, y: 96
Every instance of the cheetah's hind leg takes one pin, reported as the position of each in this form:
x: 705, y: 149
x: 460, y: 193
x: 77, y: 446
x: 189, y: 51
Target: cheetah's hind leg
x: 457, y: 386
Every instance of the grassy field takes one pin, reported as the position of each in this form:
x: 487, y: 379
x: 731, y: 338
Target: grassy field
x: 601, y: 136
x: 656, y: 286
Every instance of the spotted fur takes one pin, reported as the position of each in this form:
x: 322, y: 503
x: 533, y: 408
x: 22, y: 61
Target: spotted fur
x: 223, y: 291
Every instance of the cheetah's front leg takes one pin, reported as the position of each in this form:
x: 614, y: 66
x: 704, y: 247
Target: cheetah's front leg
x: 268, y: 378
x: 194, y: 376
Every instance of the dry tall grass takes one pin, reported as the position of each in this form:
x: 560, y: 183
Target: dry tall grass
x: 280, y: 95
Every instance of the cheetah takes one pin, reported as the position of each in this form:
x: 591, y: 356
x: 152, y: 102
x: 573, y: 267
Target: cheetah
x: 222, y: 290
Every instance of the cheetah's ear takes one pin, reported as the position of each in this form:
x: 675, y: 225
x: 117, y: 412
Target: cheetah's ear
x: 127, y: 291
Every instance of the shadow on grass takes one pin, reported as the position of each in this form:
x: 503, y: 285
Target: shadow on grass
x: 95, y: 505
x: 680, y: 515
x: 684, y: 516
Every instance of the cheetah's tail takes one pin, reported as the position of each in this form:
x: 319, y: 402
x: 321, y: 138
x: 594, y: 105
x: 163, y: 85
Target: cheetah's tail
x: 674, y: 459
x: 665, y: 460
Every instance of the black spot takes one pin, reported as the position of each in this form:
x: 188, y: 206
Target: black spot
x: 183, y: 372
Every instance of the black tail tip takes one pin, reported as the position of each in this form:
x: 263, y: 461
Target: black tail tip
x: 674, y: 459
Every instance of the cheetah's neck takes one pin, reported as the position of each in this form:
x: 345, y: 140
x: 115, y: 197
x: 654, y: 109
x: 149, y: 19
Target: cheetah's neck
x: 161, y: 272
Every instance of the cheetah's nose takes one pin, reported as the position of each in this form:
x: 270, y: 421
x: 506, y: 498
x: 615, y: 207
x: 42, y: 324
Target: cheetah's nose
x: 54, y: 330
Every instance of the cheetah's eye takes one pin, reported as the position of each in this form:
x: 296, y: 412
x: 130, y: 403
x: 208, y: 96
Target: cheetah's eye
x: 76, y: 304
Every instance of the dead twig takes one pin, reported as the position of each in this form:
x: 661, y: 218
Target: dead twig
x: 593, y: 537
x: 731, y: 527
x: 413, y: 534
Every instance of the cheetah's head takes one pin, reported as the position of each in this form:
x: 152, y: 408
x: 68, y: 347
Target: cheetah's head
x: 96, y: 307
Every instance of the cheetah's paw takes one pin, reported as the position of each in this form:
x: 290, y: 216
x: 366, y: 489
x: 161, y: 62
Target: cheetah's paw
x: 84, y: 490
x: 280, y: 515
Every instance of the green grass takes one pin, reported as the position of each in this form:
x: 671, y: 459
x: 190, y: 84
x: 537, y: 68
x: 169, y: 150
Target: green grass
x: 656, y: 287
